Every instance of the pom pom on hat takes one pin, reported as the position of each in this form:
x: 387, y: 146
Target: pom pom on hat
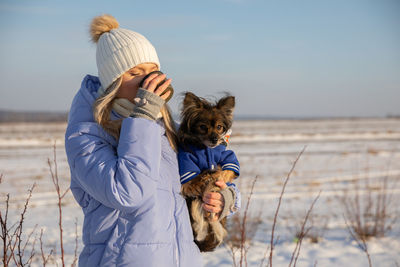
x: 102, y: 24
x: 118, y: 49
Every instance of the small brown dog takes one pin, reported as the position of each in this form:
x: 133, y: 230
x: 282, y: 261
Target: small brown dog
x: 203, y: 160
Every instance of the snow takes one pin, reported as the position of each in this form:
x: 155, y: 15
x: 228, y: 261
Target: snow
x: 341, y: 158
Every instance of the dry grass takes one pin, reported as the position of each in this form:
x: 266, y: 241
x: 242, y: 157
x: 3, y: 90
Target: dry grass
x: 369, y: 210
x: 317, y: 226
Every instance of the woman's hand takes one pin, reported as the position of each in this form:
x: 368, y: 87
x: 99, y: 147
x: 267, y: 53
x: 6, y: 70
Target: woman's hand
x: 150, y: 84
x: 214, y: 201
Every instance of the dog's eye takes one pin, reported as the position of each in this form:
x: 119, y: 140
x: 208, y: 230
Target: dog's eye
x: 220, y: 127
x: 203, y: 127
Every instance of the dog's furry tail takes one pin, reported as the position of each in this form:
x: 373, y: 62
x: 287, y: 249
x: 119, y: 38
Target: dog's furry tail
x: 200, y: 225
x: 219, y: 231
x: 207, y: 234
x: 215, y: 236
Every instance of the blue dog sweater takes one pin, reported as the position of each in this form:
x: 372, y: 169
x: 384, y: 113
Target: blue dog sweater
x: 192, y: 163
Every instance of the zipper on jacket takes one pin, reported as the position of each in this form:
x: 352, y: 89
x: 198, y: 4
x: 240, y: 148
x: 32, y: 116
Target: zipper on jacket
x: 209, y: 159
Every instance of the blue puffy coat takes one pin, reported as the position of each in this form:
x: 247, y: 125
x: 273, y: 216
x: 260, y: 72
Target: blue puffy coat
x: 128, y: 191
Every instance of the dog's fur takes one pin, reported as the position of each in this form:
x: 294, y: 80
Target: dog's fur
x: 205, y: 124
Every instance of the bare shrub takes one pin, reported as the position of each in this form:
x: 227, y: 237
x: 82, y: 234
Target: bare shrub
x: 369, y: 210
x: 12, y: 236
x: 361, y: 242
x: 16, y: 245
x: 317, y: 226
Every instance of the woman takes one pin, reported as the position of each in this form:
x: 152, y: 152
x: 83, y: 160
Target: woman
x: 121, y: 149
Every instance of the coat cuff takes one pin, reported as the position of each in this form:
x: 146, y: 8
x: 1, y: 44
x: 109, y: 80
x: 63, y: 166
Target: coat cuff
x: 229, y: 195
x: 147, y: 105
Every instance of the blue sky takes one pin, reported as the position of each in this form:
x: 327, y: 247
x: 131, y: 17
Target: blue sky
x: 279, y: 58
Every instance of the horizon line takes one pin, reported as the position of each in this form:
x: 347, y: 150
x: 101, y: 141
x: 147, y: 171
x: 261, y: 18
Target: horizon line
x: 236, y: 117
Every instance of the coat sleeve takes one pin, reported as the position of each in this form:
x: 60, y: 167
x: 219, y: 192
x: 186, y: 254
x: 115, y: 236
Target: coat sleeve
x: 229, y: 161
x: 237, y: 199
x: 232, y: 200
x: 121, y: 179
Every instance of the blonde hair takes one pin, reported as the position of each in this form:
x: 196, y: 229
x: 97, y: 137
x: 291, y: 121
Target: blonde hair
x: 102, y: 114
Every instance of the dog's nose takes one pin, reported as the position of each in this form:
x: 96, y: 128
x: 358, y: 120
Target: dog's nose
x: 214, y: 140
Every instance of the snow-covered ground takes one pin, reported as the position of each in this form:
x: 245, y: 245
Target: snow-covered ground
x: 343, y: 157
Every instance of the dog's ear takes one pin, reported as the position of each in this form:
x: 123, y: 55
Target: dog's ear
x: 191, y: 99
x: 226, y: 104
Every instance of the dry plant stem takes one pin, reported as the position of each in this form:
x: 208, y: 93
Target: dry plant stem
x: 264, y: 257
x: 18, y: 231
x: 302, y: 233
x: 4, y: 233
x: 28, y: 262
x: 279, y: 204
x: 5, y: 236
x: 242, y: 231
x: 233, y: 250
x: 44, y: 258
x: 361, y: 242
x: 243, y: 250
x: 13, y: 242
x: 76, y: 244
x: 29, y: 237
x: 54, y: 177
x: 266, y: 252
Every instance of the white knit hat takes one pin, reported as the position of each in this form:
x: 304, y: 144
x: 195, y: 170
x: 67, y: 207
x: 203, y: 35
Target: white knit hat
x: 118, y: 50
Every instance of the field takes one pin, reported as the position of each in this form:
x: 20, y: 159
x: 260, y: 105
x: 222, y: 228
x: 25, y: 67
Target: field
x: 343, y: 159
